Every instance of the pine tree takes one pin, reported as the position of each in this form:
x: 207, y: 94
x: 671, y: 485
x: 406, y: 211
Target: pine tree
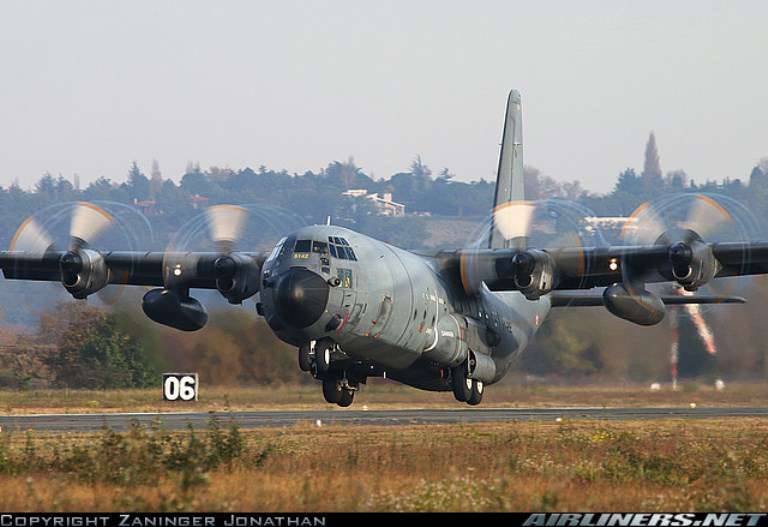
x: 652, y: 174
x: 155, y: 180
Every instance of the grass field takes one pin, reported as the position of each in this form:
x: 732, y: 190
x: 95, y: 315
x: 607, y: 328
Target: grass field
x: 580, y: 465
x: 377, y: 394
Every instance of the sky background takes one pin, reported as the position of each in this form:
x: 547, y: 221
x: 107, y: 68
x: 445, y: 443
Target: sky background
x: 87, y: 87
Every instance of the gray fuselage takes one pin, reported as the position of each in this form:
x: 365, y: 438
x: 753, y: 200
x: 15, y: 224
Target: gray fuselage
x: 390, y: 308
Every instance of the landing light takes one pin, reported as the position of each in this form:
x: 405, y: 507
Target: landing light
x: 177, y: 271
x: 613, y: 264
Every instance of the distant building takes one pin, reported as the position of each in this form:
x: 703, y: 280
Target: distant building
x: 615, y: 228
x: 198, y: 201
x: 148, y: 207
x: 382, y: 203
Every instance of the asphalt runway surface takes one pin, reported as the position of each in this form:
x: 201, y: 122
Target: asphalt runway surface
x: 356, y: 417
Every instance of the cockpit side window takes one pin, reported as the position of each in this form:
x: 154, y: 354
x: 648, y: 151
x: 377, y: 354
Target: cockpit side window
x: 276, y: 250
x: 287, y: 246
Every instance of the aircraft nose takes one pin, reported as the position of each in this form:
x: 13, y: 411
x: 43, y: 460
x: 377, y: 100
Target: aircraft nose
x: 300, y: 297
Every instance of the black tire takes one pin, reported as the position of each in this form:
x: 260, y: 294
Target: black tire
x: 462, y: 387
x: 347, y: 396
x: 323, y: 356
x: 305, y: 357
x: 332, y: 391
x: 478, y: 388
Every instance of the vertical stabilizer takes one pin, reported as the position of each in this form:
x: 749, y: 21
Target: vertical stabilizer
x: 508, y: 208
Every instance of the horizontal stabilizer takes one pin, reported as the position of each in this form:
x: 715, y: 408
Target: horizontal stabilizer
x: 576, y: 299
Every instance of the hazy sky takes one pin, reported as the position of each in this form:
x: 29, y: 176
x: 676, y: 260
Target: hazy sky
x: 87, y: 87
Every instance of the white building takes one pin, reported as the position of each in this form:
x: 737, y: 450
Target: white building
x: 383, y: 203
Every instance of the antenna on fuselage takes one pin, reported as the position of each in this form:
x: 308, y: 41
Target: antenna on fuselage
x: 328, y: 220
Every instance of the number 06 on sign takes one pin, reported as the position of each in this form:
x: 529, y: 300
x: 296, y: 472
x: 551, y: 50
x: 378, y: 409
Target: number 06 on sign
x: 180, y: 386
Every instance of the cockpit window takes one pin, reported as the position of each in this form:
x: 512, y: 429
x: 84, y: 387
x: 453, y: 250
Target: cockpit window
x: 340, y: 248
x: 287, y: 246
x: 320, y: 247
x: 303, y: 246
x: 276, y: 250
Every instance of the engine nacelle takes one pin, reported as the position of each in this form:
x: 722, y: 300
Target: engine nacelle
x: 532, y: 272
x: 83, y: 272
x: 167, y: 307
x: 692, y: 265
x: 237, y: 277
x: 636, y: 305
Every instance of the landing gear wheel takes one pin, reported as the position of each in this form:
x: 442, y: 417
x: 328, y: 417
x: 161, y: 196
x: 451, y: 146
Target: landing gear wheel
x: 347, y: 396
x: 477, y: 393
x: 332, y: 391
x: 306, y: 354
x: 462, y: 387
x: 323, y: 356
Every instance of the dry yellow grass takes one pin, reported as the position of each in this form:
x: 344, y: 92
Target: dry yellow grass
x: 580, y: 465
x: 378, y: 394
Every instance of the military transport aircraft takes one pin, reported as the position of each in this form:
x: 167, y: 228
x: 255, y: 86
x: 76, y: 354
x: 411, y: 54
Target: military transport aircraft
x: 356, y: 307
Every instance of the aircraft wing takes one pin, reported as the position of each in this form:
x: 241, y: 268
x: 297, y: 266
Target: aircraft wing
x: 535, y: 272
x: 86, y: 271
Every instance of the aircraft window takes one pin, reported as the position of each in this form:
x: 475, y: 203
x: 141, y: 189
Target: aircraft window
x: 342, y: 241
x: 303, y: 246
x: 345, y: 275
x: 351, y: 254
x: 333, y: 250
x: 287, y: 246
x: 415, y: 313
x: 320, y: 247
x: 343, y: 252
x: 276, y: 250
x: 336, y: 240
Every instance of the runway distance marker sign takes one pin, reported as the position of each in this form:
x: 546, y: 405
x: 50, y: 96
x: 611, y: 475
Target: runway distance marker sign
x: 180, y: 387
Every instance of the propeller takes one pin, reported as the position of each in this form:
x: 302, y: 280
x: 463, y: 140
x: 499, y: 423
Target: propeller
x: 518, y: 225
x: 236, y: 274
x: 82, y: 270
x: 683, y: 222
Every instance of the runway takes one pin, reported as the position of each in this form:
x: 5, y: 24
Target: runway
x: 356, y: 417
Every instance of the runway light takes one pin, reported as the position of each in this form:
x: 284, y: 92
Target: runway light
x: 692, y: 405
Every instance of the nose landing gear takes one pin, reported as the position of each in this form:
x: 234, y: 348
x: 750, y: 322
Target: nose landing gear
x: 317, y: 357
x: 339, y: 391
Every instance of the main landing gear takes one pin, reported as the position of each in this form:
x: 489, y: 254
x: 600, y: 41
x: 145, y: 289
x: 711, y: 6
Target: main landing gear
x: 317, y: 357
x: 466, y: 390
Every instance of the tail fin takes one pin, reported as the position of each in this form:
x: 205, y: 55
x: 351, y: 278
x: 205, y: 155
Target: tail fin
x: 509, y: 179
